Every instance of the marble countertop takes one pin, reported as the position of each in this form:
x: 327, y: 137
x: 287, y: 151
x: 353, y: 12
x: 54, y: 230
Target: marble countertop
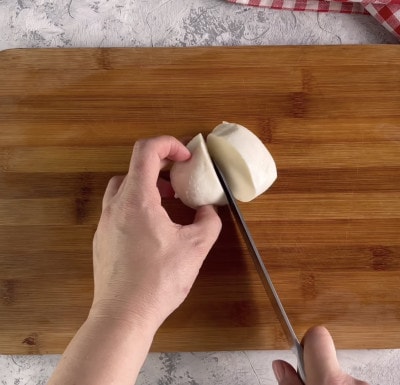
x: 146, y: 23
x: 166, y: 23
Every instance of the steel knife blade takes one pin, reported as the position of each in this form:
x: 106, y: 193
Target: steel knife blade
x: 264, y: 275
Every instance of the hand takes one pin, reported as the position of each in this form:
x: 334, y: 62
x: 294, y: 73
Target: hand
x: 321, y: 364
x: 144, y: 264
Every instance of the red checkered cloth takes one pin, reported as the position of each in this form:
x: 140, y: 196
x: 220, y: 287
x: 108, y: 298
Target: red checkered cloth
x: 385, y: 11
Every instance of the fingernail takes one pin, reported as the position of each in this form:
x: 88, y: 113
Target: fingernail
x: 279, y: 370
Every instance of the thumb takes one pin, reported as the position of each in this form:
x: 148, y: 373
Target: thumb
x: 204, y: 230
x: 319, y: 348
x: 285, y: 374
x: 207, y: 222
x: 321, y: 364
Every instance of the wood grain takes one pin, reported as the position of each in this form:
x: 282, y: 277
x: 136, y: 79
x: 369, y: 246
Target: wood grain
x: 328, y: 229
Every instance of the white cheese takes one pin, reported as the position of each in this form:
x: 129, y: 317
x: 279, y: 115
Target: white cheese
x: 195, y: 181
x: 246, y: 163
x: 244, y: 160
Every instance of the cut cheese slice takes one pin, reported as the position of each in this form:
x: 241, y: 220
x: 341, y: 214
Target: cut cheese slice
x: 244, y: 160
x: 195, y: 181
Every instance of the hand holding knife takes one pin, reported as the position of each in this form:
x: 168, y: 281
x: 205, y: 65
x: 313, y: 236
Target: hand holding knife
x: 264, y: 276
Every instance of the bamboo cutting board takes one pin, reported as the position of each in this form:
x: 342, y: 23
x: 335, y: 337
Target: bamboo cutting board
x: 328, y: 229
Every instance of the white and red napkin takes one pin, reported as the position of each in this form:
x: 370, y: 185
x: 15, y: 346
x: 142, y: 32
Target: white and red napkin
x: 385, y: 11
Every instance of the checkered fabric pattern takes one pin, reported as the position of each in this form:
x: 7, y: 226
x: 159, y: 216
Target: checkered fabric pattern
x: 385, y: 11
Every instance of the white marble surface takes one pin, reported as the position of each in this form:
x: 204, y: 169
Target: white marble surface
x: 120, y: 23
x: 100, y: 23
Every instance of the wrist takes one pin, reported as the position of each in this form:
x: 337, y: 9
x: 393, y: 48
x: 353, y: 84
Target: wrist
x: 118, y: 314
x: 108, y: 348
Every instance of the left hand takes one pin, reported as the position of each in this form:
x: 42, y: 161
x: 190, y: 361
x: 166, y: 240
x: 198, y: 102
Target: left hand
x: 144, y: 264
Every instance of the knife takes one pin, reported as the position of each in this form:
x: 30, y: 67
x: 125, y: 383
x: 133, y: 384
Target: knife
x: 264, y: 276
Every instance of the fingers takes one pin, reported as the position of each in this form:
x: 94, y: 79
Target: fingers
x: 112, y: 188
x: 207, y: 222
x: 285, y: 374
x: 148, y: 157
x: 204, y: 230
x: 319, y: 348
x: 321, y: 364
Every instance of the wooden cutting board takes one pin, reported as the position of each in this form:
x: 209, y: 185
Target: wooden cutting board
x: 328, y: 229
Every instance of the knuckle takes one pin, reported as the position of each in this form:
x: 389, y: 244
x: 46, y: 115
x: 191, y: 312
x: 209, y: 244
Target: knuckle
x: 145, y: 145
x: 198, y: 242
x: 107, y: 211
x: 114, y: 181
x: 151, y: 143
x: 216, y: 223
x: 142, y: 150
x: 140, y: 144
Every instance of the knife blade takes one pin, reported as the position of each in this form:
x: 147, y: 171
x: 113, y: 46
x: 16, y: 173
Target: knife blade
x: 264, y: 275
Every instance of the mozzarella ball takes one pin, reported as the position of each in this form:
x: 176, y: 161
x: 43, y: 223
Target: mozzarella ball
x: 195, y: 181
x: 244, y: 160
